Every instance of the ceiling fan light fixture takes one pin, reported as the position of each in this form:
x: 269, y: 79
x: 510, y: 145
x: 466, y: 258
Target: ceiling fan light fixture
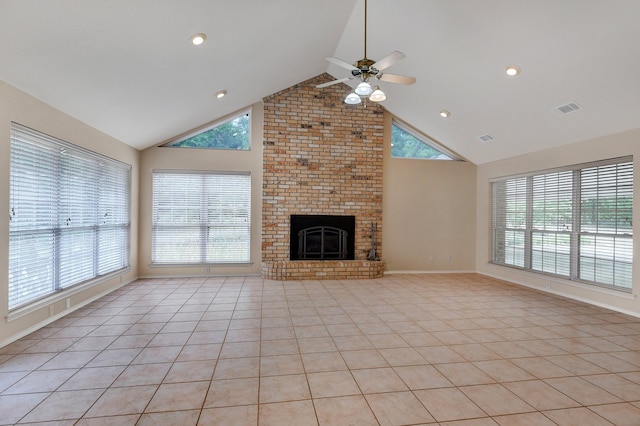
x: 366, y: 68
x: 364, y: 89
x: 198, y: 39
x: 377, y: 95
x: 352, y: 99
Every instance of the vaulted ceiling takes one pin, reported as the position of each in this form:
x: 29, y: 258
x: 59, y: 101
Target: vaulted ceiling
x: 126, y: 67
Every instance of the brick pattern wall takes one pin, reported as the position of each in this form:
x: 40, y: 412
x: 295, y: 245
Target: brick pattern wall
x: 320, y: 156
x: 322, y: 269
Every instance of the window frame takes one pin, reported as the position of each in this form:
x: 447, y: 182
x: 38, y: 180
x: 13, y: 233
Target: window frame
x: 514, y: 213
x: 210, y: 126
x: 422, y: 138
x: 90, y: 190
x: 200, y: 207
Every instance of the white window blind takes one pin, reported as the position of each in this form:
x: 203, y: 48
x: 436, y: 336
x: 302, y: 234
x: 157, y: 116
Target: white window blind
x: 69, y: 215
x: 574, y: 222
x: 509, y: 221
x: 551, y: 222
x: 605, y: 241
x: 201, y: 218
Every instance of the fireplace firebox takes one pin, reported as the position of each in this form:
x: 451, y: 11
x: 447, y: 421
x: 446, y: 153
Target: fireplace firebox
x: 322, y: 237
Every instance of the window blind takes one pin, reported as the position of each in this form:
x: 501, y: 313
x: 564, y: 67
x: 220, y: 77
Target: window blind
x: 551, y: 222
x: 201, y: 218
x: 69, y: 215
x: 606, y: 233
x: 509, y: 221
x: 574, y: 222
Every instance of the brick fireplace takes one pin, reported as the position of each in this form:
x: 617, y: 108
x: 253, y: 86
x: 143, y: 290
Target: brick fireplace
x: 321, y: 157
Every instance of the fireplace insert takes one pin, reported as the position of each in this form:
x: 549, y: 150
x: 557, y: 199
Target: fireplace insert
x: 322, y: 237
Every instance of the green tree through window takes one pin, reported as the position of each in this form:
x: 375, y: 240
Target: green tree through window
x: 230, y: 134
x: 406, y: 144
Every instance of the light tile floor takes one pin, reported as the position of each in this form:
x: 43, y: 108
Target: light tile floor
x: 448, y: 349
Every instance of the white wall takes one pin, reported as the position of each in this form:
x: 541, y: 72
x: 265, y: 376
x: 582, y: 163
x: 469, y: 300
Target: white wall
x: 21, y: 108
x: 166, y: 158
x: 428, y: 213
x: 617, y: 145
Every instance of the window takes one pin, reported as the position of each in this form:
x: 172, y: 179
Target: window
x: 574, y: 222
x: 201, y: 218
x: 408, y: 143
x: 69, y: 216
x: 233, y: 133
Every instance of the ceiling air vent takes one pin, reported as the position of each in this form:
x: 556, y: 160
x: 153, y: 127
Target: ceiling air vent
x: 565, y: 109
x: 485, y: 138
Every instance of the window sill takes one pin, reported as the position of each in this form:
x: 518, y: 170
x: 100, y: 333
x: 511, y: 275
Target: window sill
x: 559, y: 280
x: 198, y: 265
x: 48, y: 301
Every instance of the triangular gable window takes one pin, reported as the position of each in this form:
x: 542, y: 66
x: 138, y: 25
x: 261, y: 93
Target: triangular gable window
x: 232, y: 133
x: 408, y: 143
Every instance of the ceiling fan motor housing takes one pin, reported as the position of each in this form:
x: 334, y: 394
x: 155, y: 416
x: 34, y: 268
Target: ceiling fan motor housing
x: 364, y: 69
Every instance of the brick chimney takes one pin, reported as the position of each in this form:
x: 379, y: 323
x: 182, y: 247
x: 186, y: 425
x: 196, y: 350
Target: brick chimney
x: 321, y: 157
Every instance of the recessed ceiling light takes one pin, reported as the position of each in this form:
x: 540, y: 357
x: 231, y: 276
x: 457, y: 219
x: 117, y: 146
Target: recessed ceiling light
x: 444, y: 113
x: 512, y: 70
x: 198, y: 39
x: 221, y: 94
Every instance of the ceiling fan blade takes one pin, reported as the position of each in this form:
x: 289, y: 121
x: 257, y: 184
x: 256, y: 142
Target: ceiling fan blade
x: 341, y: 63
x: 388, y: 60
x: 331, y: 83
x: 400, y: 79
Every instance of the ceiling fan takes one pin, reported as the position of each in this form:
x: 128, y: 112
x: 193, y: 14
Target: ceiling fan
x: 366, y: 69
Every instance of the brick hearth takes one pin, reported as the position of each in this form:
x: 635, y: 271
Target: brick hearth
x: 321, y: 157
x: 322, y: 269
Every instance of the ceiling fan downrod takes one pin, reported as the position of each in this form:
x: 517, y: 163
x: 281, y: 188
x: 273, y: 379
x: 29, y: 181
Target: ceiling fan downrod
x: 365, y: 29
x: 363, y: 66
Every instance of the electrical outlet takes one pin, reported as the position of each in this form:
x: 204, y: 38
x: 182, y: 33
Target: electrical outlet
x: 432, y: 258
